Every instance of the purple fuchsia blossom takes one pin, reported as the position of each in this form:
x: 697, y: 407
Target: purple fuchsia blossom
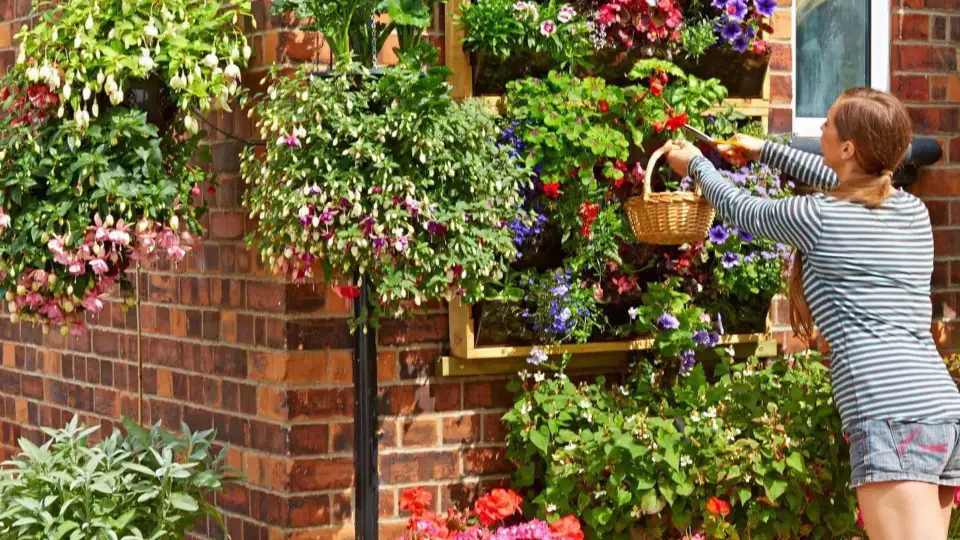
x: 719, y: 234
x: 765, y: 7
x: 668, y: 322
x: 436, y: 229
x: 688, y: 359
x: 730, y: 259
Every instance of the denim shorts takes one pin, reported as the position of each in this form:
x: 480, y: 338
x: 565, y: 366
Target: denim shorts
x: 886, y: 450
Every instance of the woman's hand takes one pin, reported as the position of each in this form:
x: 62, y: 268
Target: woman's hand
x: 679, y: 154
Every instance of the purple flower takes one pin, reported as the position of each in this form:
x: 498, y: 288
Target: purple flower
x: 736, y: 9
x: 730, y: 30
x: 740, y: 43
x: 686, y: 183
x: 537, y: 357
x: 746, y: 237
x: 668, y: 322
x: 719, y: 234
x: 436, y: 229
x: 719, y: 4
x: 765, y: 7
x: 730, y: 259
x: 559, y: 290
x: 701, y: 337
x: 749, y: 32
x: 688, y: 360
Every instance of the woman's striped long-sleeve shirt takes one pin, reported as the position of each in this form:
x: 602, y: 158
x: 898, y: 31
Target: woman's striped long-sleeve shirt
x: 866, y: 276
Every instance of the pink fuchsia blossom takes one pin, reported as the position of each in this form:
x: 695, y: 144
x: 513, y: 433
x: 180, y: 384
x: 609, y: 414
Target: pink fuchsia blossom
x: 77, y: 327
x: 120, y: 234
x: 92, y: 303
x: 4, y: 220
x: 99, y: 266
x: 76, y: 267
x: 100, y: 230
x: 176, y: 253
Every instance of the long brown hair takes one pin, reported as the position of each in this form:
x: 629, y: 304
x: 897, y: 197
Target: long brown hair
x: 879, y: 127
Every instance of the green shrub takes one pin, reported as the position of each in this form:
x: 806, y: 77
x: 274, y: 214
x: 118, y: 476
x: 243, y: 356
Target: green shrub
x: 147, y: 484
x: 757, y: 451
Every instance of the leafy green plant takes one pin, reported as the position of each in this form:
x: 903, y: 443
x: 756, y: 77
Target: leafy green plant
x: 755, y: 450
x: 387, y: 178
x: 147, y: 484
x: 83, y: 50
x: 505, y: 28
x: 355, y: 29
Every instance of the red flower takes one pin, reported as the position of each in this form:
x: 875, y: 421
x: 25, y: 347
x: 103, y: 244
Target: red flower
x: 677, y: 121
x: 956, y: 496
x: 195, y: 190
x: 759, y: 47
x: 718, y: 506
x: 588, y: 214
x: 604, y: 106
x: 347, y: 291
x: 497, y: 506
x: 625, y: 283
x: 415, y: 500
x: 552, y: 190
x: 211, y: 190
x: 658, y: 126
x: 567, y: 528
x: 859, y: 518
x: 656, y: 88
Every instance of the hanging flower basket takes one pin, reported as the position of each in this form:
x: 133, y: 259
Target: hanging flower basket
x: 668, y: 218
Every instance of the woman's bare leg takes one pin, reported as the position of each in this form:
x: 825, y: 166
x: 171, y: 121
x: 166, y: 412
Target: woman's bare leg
x: 946, y: 506
x: 902, y: 511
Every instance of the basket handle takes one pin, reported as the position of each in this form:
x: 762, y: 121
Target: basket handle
x: 648, y: 173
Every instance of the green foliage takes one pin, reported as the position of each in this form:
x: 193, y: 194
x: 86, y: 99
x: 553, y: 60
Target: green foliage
x: 506, y: 28
x: 667, y: 300
x: 698, y: 37
x: 197, y: 48
x: 147, y: 484
x: 389, y: 177
x: 650, y: 455
x: 354, y: 28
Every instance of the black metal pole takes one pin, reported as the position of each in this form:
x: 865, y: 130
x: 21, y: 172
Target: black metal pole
x: 366, y: 474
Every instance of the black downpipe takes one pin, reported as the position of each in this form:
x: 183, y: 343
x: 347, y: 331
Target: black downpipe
x: 922, y: 151
x: 366, y: 474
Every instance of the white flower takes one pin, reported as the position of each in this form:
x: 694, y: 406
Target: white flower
x: 247, y: 52
x: 526, y: 408
x: 634, y: 312
x: 685, y: 461
x: 86, y: 94
x: 589, y: 417
x: 585, y: 404
x: 711, y: 413
x: 211, y: 60
x: 599, y: 494
x: 570, y: 447
x: 151, y: 31
x: 191, y: 124
x: 82, y: 118
x: 538, y: 377
x: 566, y: 14
x: 547, y: 27
x: 551, y: 508
x: 520, y: 6
x: 146, y: 62
x: 178, y: 82
x: 232, y: 71
x: 89, y: 24
x: 33, y: 74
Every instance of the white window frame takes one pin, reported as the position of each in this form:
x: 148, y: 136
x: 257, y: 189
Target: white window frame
x: 806, y: 126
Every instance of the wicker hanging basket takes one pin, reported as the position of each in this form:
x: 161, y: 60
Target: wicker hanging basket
x: 668, y: 218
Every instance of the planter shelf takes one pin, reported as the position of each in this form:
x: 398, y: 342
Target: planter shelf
x: 461, y: 79
x: 468, y: 359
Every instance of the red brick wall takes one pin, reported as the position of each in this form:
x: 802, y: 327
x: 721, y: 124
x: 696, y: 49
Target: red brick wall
x: 269, y: 365
x: 924, y: 74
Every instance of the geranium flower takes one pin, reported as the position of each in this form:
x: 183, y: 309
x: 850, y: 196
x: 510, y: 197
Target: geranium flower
x: 678, y: 121
x: 349, y: 292
x: 552, y: 190
x: 668, y: 322
x: 548, y: 27
x: 760, y: 47
x: 567, y: 528
x: 718, y: 507
x: 415, y: 500
x: 497, y: 506
x: 603, y: 105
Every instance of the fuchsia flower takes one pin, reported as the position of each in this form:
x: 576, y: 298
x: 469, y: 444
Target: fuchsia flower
x: 4, y: 220
x: 99, y: 266
x: 101, y: 231
x: 120, y: 234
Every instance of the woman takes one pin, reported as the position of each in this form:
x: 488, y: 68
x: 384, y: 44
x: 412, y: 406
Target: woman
x: 862, y: 276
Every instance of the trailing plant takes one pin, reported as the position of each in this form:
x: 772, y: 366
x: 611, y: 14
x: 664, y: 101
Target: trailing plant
x: 146, y: 484
x: 389, y: 179
x: 87, y: 51
x: 754, y: 450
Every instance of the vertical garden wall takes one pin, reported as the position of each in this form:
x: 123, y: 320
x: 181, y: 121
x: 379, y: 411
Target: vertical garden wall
x: 227, y: 345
